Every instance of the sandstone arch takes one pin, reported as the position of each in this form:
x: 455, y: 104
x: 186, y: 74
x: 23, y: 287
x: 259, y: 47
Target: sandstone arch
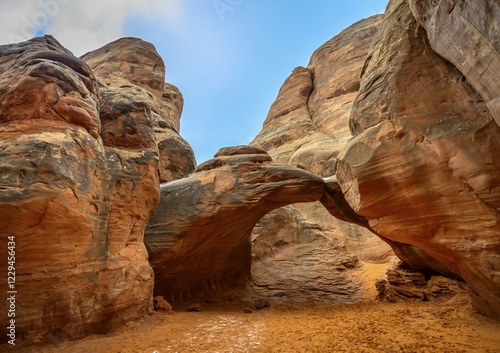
x: 199, y: 237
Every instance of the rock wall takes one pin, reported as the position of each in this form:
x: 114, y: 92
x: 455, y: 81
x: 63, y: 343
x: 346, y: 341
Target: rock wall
x: 466, y: 34
x: 79, y: 179
x: 54, y: 195
x: 307, y: 127
x: 421, y: 167
x: 294, y: 259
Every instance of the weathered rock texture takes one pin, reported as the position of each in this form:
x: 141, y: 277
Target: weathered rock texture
x: 199, y: 236
x: 79, y: 179
x: 307, y: 126
x: 422, y: 167
x: 139, y: 71
x: 404, y: 284
x: 54, y: 192
x: 467, y: 34
x: 176, y: 155
x: 293, y: 260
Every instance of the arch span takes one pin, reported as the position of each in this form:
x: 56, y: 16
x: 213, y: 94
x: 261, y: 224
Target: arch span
x: 199, y: 237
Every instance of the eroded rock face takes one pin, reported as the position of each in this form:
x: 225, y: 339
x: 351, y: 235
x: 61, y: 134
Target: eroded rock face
x: 199, y: 236
x: 422, y: 166
x: 403, y: 284
x: 467, y: 34
x: 177, y: 158
x: 136, y: 67
x: 307, y: 127
x: 54, y: 190
x: 296, y: 260
x: 79, y: 179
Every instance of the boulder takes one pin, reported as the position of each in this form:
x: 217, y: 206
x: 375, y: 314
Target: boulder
x: 405, y: 284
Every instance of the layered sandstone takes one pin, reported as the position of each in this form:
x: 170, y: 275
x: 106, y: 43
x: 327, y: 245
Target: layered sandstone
x: 139, y: 70
x: 307, y: 127
x: 199, y: 236
x: 467, y: 34
x: 54, y: 193
x: 404, y: 284
x: 80, y: 178
x: 421, y: 167
x: 294, y: 259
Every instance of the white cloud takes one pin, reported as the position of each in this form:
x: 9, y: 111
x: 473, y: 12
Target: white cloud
x: 80, y: 26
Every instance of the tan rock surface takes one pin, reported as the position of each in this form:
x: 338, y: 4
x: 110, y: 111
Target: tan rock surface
x: 422, y: 168
x: 177, y: 158
x: 199, y: 236
x: 467, y: 34
x: 295, y: 260
x: 403, y: 284
x: 135, y: 65
x: 307, y: 126
x: 172, y: 105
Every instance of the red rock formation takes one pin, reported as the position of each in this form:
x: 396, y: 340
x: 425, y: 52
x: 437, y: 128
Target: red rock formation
x: 421, y: 168
x: 79, y: 180
x: 53, y: 197
x: 177, y: 159
x: 135, y: 66
x: 199, y: 236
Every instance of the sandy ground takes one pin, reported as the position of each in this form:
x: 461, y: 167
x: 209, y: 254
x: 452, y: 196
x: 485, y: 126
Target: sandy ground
x: 358, y: 327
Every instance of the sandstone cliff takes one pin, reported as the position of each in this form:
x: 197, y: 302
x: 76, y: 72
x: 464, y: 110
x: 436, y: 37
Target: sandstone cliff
x: 421, y: 167
x: 80, y: 168
x: 307, y: 127
x: 392, y: 127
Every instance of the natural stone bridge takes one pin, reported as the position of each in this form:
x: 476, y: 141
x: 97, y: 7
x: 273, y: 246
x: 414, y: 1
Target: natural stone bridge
x: 199, y: 236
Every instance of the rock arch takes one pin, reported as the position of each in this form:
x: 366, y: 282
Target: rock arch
x: 199, y: 237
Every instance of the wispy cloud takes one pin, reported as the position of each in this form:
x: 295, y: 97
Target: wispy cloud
x: 80, y: 25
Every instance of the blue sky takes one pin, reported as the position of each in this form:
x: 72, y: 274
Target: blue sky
x: 228, y: 57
